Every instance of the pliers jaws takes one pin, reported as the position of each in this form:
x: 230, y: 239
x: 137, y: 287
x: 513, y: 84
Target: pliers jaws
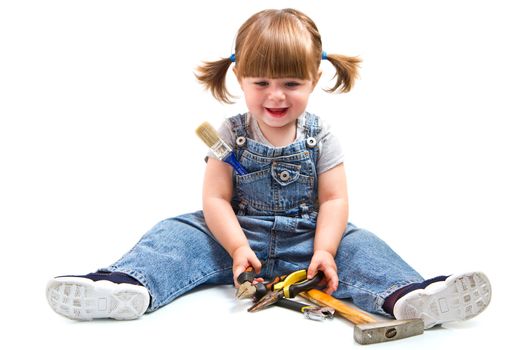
x: 319, y: 313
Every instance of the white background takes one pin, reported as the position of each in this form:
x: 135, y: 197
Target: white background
x: 98, y: 106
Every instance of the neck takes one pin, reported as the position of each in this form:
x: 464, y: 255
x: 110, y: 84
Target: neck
x: 279, y: 137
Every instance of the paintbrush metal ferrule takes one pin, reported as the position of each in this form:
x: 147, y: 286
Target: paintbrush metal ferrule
x: 220, y: 149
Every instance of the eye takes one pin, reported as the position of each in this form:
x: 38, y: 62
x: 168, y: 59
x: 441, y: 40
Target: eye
x: 261, y: 83
x: 292, y: 84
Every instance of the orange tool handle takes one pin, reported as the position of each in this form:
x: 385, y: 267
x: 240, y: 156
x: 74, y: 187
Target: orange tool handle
x: 323, y: 299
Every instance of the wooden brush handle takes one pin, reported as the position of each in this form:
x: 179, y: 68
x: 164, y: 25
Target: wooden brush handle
x: 352, y: 314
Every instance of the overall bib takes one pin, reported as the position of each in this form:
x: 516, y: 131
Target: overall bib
x: 276, y: 204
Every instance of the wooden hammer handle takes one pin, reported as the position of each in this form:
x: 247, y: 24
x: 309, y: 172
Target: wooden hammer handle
x: 352, y: 314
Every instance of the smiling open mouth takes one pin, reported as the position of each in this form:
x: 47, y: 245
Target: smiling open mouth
x: 277, y: 112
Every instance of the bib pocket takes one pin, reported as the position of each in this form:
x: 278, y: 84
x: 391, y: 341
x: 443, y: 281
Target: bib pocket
x: 275, y: 184
x: 285, y: 173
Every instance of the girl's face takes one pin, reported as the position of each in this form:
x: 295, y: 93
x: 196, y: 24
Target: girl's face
x: 276, y: 102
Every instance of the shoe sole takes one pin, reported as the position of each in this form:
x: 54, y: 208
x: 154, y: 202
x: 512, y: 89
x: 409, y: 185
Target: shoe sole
x: 459, y: 297
x: 83, y: 299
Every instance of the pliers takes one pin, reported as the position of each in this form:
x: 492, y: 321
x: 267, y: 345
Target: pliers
x: 291, y: 286
x: 245, y: 280
x: 248, y: 290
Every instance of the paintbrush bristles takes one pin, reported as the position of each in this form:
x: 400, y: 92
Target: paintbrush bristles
x: 208, y: 134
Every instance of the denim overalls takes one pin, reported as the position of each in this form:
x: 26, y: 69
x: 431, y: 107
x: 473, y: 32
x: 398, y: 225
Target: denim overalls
x: 276, y: 205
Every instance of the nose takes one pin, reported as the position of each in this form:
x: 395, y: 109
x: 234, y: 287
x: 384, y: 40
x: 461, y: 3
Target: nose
x: 277, y: 94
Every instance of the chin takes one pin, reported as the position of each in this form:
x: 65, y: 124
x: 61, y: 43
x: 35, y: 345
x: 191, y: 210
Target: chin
x: 277, y: 122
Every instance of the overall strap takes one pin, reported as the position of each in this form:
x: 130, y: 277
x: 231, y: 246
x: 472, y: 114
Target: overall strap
x: 312, y: 129
x: 311, y: 125
x: 239, y: 125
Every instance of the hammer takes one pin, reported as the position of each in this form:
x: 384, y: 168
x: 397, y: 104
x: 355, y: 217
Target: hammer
x: 367, y: 330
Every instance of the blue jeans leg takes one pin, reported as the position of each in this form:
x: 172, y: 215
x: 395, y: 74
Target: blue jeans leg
x: 180, y: 253
x: 369, y: 270
x: 175, y: 256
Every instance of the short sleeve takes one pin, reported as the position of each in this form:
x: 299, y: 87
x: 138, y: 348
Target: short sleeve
x: 330, y: 150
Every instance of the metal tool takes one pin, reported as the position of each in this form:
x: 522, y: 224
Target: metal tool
x: 378, y: 332
x: 367, y: 330
x: 311, y: 312
x: 292, y: 285
x: 245, y: 280
x: 258, y: 290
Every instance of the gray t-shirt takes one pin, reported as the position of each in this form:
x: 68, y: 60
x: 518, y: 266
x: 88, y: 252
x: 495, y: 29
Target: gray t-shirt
x: 330, y: 150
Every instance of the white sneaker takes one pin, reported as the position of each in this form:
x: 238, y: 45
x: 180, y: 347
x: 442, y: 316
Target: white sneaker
x: 84, y: 299
x: 459, y: 297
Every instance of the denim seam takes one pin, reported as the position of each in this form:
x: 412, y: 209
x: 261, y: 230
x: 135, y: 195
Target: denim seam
x: 273, y: 244
x: 276, y: 209
x: 297, y: 157
x: 262, y: 153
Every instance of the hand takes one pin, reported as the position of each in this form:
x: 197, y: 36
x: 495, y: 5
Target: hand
x: 243, y: 257
x: 324, y: 261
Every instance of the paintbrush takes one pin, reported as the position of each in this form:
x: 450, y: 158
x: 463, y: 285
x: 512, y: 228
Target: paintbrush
x: 210, y: 136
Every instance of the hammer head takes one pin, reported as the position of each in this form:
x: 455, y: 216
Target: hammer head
x: 378, y: 332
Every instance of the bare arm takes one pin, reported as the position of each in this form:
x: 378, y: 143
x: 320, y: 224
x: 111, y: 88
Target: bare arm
x: 331, y: 224
x: 333, y: 210
x: 221, y: 219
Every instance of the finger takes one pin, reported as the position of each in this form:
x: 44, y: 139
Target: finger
x: 237, y: 285
x: 256, y: 264
x: 312, y: 270
x: 332, y: 286
x: 316, y: 266
x: 329, y: 290
x: 237, y: 270
x: 333, y: 281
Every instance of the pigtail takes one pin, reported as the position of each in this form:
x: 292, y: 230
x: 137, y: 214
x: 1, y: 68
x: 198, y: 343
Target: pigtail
x: 346, y: 72
x: 213, y: 76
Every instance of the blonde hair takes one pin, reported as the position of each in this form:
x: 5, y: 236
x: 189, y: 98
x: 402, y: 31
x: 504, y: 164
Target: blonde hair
x: 277, y: 44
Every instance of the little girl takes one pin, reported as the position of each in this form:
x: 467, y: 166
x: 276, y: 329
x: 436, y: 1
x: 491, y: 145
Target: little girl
x: 289, y: 211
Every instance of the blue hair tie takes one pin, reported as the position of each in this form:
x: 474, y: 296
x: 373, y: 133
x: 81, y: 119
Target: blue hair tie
x: 232, y: 58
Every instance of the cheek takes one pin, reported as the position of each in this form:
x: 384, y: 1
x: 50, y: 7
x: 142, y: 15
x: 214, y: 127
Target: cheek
x: 301, y: 99
x: 253, y: 100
